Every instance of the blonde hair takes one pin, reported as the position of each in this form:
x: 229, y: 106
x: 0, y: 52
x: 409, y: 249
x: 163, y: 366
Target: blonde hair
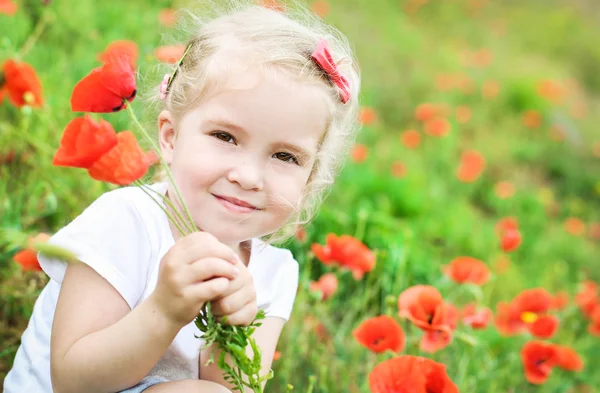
x: 257, y: 36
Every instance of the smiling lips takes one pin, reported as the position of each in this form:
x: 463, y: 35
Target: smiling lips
x: 236, y: 205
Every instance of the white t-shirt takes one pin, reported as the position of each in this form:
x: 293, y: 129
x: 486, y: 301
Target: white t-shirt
x: 123, y: 235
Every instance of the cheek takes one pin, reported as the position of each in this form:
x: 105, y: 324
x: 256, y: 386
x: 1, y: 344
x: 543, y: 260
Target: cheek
x: 287, y: 192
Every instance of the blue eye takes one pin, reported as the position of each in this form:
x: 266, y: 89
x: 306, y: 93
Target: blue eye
x: 286, y: 157
x: 224, y: 136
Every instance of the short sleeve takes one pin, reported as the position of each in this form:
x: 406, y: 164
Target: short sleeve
x: 110, y: 237
x: 286, y: 289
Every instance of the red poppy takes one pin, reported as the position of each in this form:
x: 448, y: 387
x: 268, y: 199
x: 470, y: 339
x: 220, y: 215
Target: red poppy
x: 359, y: 153
x: 125, y: 48
x: 476, y: 318
x: 411, y: 139
x: 574, y: 226
x: 527, y: 311
x: 551, y: 90
x: 472, y: 165
x: 412, y: 374
x: 544, y: 326
x: 429, y: 111
x: 347, y: 252
x: 27, y: 258
x: 510, y: 240
x: 320, y: 8
x: 123, y: 164
x: 560, y: 300
x: 380, y: 334
x: 167, y: 17
x: 538, y: 359
x: 437, y: 127
x: 275, y: 5
x: 367, y: 116
x: 169, y: 54
x: 467, y: 269
x: 398, y: 169
x: 490, y: 89
x: 327, y: 285
x: 301, y: 234
x: 7, y: 7
x: 106, y: 89
x: 594, y: 327
x: 84, y: 141
x: 504, y: 189
x: 22, y: 84
x: 532, y: 119
x: 567, y: 358
x: 276, y: 355
x: 588, y: 297
x: 508, y: 319
x: 505, y: 224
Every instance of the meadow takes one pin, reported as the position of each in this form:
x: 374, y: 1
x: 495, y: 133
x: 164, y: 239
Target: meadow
x: 474, y: 184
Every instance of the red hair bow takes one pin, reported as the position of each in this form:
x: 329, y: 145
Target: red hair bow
x: 322, y: 56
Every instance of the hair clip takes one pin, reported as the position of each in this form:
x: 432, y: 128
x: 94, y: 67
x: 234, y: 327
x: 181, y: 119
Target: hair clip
x: 322, y: 56
x: 168, y: 79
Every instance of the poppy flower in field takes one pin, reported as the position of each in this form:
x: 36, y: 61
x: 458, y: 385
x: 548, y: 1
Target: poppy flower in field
x: 301, y: 234
x: 125, y: 48
x: 538, y: 359
x: 84, y: 141
x: 532, y: 119
x: 170, y: 53
x: 588, y: 297
x: 574, y: 226
x: 367, y: 116
x: 167, y: 17
x: 412, y: 374
x: 276, y: 355
x: 7, y: 7
x: 527, y: 311
x: 22, y: 84
x: 445, y: 82
x: 327, y: 285
x: 463, y: 114
x: 318, y: 328
x: 476, y: 318
x: 467, y: 269
x: 106, y: 89
x: 504, y: 189
x: 544, y: 326
x: 508, y: 319
x: 274, y: 5
x: 482, y: 58
x: 27, y: 258
x: 320, y: 8
x: 398, y: 169
x: 429, y: 111
x: 438, y: 127
x: 490, y: 89
x: 411, y: 139
x: 567, y: 358
x: 506, y: 224
x: 551, y: 91
x: 510, y: 240
x: 472, y: 164
x: 560, y: 300
x: 347, y: 252
x: 359, y: 153
x: 380, y: 334
x: 594, y: 327
x: 123, y: 164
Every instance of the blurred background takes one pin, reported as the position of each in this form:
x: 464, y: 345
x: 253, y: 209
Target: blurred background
x: 473, y: 111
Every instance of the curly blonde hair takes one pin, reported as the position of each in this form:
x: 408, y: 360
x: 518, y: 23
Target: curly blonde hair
x: 238, y: 34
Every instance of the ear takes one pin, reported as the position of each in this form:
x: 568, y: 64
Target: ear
x: 166, y: 135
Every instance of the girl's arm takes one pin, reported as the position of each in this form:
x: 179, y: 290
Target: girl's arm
x: 98, y: 344
x: 266, y: 337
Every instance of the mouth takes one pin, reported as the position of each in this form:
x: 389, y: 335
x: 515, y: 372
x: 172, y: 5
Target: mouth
x: 236, y: 205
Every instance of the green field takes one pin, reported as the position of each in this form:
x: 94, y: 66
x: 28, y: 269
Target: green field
x: 516, y: 81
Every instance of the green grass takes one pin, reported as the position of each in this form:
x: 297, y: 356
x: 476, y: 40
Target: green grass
x: 414, y: 224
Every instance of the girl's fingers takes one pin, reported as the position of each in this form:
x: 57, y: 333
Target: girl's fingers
x: 207, y: 290
x: 230, y: 304
x: 243, y: 316
x: 208, y: 268
x: 201, y: 245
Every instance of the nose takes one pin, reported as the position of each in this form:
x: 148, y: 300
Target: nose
x: 248, y: 172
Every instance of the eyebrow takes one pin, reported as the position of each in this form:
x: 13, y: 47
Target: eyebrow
x: 299, y: 151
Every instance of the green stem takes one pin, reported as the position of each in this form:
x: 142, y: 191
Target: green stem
x: 37, y: 32
x: 162, y: 160
x: 178, y: 215
x: 171, y: 218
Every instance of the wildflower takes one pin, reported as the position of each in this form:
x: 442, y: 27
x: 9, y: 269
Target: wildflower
x: 124, y: 48
x: 106, y: 89
x: 411, y: 139
x: 22, y: 84
x: 410, y: 374
x: 467, y: 269
x: 359, y: 153
x: 347, y: 252
x: 169, y: 54
x: 380, y: 334
x: 327, y: 285
x: 476, y: 318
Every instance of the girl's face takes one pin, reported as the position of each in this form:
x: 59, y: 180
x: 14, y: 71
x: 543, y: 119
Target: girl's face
x: 242, y: 157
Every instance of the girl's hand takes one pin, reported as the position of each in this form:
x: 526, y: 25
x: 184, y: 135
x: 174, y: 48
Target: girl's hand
x: 197, y: 269
x: 238, y: 303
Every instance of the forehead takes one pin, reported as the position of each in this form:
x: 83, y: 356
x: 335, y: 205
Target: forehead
x: 270, y: 105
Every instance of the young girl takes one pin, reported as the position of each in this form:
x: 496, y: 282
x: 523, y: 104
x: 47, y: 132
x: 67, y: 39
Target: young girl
x: 254, y: 125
